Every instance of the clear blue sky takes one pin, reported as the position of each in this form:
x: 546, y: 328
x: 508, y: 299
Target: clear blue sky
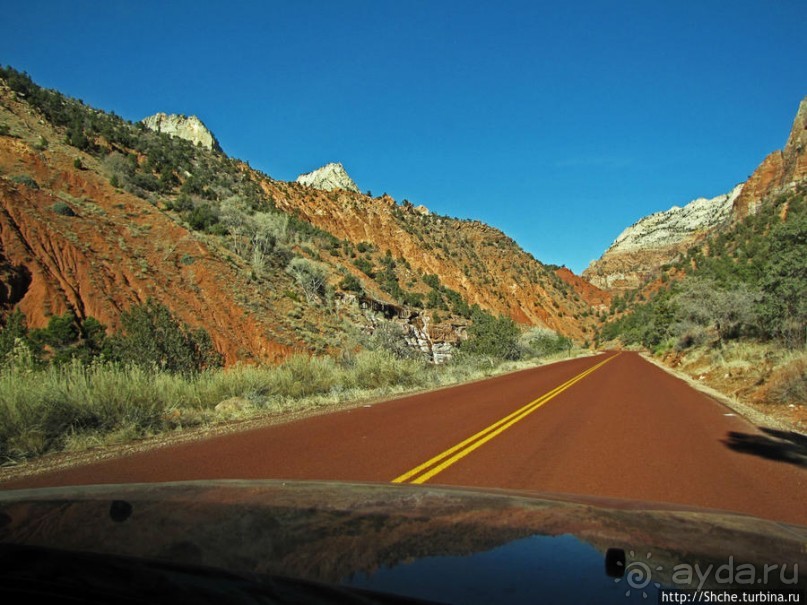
x: 559, y: 122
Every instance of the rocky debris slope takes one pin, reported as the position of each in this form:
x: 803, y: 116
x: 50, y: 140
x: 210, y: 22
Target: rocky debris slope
x: 189, y: 128
x: 329, y: 177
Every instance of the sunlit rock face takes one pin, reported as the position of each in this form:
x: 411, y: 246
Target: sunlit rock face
x: 641, y: 249
x: 637, y: 255
x: 329, y: 177
x: 190, y: 128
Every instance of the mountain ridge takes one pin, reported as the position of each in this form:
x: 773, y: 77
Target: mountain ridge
x: 269, y: 268
x: 642, y: 248
x: 637, y: 256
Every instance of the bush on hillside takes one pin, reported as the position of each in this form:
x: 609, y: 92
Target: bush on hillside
x: 62, y: 209
x: 311, y: 277
x: 789, y: 383
x: 391, y: 337
x: 730, y: 312
x: 15, y: 330
x: 539, y: 343
x: 153, y: 338
x: 495, y: 336
x: 350, y: 283
x: 784, y: 303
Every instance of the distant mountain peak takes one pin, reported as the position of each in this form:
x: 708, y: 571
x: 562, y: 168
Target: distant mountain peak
x: 798, y: 133
x: 641, y: 249
x: 676, y: 224
x: 639, y: 253
x: 190, y: 128
x: 329, y: 177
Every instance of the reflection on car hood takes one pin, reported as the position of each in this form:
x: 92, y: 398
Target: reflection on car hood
x: 451, y: 545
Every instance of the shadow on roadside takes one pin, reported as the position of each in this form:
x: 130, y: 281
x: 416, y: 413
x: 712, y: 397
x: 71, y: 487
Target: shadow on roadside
x: 782, y: 446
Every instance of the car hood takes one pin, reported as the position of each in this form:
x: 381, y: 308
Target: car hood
x: 443, y: 544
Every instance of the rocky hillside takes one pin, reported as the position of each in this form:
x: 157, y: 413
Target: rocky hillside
x: 189, y: 128
x: 329, y: 177
x: 97, y: 214
x: 780, y: 172
x: 641, y: 249
x: 474, y: 263
x: 638, y: 254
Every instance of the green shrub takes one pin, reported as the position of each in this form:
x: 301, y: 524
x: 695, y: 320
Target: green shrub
x: 183, y: 203
x: 391, y: 337
x: 24, y: 179
x: 432, y: 280
x: 434, y: 300
x: 311, y: 277
x: 41, y: 410
x: 62, y: 209
x: 153, y: 338
x: 540, y: 343
x: 495, y: 336
x: 350, y: 283
x: 15, y: 330
x: 303, y: 376
x: 202, y: 218
x: 144, y: 181
x: 730, y: 311
x: 62, y: 331
x: 365, y: 266
x: 65, y: 338
x: 413, y: 299
x: 784, y: 303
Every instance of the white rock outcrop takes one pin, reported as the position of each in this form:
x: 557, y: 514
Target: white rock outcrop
x: 655, y: 240
x: 190, y: 128
x: 329, y: 177
x: 676, y: 224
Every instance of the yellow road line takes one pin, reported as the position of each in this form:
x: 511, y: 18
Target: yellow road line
x: 445, y: 459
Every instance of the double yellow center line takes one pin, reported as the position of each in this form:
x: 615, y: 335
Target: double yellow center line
x: 427, y: 470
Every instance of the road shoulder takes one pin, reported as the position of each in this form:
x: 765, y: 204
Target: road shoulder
x: 751, y: 414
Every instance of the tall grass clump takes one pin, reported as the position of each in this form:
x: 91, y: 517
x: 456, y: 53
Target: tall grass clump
x: 789, y: 383
x: 253, y: 383
x: 466, y: 366
x: 381, y: 369
x: 303, y: 376
x: 40, y: 408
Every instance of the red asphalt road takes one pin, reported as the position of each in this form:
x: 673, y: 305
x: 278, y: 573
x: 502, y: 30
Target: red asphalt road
x: 627, y: 430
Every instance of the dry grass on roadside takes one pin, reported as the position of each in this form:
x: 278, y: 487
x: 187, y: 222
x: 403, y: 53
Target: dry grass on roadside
x: 76, y: 407
x: 755, y: 373
x: 788, y: 383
